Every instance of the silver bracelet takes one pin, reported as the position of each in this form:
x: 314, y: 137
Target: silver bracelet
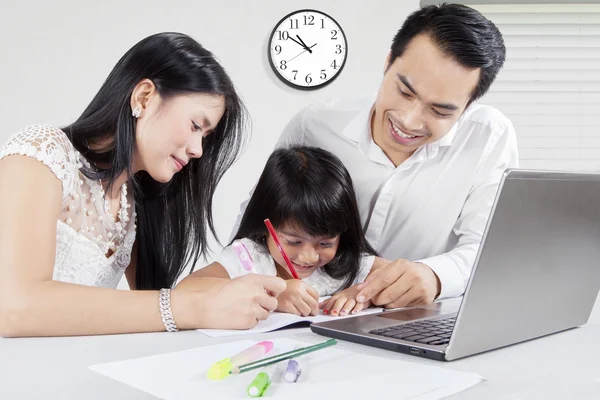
x: 165, y: 310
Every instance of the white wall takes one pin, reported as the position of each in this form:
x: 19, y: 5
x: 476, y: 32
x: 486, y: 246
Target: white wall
x: 55, y: 55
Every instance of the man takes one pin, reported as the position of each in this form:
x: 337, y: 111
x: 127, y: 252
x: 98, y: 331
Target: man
x: 425, y: 159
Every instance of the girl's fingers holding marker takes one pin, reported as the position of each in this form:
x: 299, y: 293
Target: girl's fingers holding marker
x: 303, y: 307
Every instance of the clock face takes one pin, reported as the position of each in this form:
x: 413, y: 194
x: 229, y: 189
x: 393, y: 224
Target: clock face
x: 307, y: 49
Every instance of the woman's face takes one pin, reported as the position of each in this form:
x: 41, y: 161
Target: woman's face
x: 169, y: 133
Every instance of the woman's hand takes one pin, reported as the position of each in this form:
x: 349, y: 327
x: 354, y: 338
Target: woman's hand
x: 298, y: 298
x: 217, y: 303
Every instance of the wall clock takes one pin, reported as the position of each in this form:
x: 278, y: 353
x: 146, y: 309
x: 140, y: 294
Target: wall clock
x: 307, y: 49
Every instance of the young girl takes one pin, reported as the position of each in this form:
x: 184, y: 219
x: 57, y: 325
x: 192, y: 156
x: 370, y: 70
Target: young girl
x: 308, y: 195
x: 126, y: 189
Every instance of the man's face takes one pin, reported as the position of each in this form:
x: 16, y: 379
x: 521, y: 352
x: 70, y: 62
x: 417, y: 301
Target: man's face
x: 420, y: 98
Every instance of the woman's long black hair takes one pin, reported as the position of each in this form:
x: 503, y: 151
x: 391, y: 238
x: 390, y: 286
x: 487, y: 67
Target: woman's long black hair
x: 173, y: 218
x: 309, y: 188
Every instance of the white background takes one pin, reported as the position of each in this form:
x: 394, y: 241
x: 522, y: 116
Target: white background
x: 55, y: 55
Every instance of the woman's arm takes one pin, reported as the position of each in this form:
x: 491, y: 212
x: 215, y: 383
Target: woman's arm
x: 132, y: 267
x: 32, y: 304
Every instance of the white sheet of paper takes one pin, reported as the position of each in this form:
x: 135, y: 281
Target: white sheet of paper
x: 326, y: 373
x: 276, y: 321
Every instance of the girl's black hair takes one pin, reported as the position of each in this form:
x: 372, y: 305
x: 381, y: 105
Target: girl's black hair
x: 309, y: 188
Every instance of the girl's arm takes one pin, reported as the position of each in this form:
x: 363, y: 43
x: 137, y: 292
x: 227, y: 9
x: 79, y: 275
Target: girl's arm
x: 214, y: 270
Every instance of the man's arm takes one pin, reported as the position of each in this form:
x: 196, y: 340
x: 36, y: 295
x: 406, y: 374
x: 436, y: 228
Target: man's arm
x: 454, y: 267
x: 404, y: 282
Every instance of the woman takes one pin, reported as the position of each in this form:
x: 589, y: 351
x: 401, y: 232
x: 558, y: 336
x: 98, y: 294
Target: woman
x: 126, y: 188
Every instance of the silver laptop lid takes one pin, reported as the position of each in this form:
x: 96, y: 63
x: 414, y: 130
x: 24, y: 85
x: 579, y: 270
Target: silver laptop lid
x: 538, y: 268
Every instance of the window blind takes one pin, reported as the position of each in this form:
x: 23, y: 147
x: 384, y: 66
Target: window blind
x: 550, y: 84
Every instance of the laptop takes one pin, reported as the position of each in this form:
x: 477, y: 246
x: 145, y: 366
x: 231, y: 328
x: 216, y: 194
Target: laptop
x: 537, y: 272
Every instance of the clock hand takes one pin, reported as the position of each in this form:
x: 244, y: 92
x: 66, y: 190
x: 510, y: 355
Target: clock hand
x: 301, y: 44
x: 307, y: 49
x: 304, y: 44
x: 304, y: 51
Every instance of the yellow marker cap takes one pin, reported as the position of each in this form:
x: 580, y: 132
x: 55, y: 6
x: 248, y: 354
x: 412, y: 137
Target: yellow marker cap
x: 220, y: 369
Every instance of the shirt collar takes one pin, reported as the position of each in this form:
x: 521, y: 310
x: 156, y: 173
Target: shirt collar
x: 359, y: 127
x: 449, y: 137
x: 359, y: 131
x: 447, y: 140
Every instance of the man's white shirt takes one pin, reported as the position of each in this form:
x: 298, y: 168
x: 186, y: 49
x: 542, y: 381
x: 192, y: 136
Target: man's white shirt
x: 433, y: 207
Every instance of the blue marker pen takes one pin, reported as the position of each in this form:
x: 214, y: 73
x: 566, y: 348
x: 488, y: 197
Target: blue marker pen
x: 293, y: 370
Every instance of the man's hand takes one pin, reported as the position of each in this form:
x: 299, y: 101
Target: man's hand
x: 400, y: 283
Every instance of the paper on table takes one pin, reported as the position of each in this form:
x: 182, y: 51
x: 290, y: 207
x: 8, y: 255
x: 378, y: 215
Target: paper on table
x: 279, y: 320
x: 331, y: 372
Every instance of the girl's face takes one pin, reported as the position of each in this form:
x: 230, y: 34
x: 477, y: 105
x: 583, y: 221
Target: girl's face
x: 170, y: 133
x: 307, y: 253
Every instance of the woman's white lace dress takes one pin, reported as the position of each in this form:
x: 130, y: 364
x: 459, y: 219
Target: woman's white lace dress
x: 86, y: 231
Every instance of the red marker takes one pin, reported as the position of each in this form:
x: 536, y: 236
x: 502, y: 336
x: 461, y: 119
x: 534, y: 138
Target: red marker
x: 278, y: 244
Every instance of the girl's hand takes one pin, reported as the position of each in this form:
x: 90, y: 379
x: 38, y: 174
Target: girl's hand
x: 343, y: 303
x: 298, y: 298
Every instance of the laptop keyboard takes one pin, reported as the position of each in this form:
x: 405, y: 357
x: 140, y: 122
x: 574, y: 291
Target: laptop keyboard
x: 433, y: 332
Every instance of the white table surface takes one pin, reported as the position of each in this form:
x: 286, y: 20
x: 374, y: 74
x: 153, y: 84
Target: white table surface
x: 561, y: 366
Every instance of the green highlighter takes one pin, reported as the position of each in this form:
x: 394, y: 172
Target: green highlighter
x: 263, y: 380
x: 259, y: 385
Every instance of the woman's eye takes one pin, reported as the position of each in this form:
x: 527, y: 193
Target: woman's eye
x: 327, y: 245
x: 196, y: 127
